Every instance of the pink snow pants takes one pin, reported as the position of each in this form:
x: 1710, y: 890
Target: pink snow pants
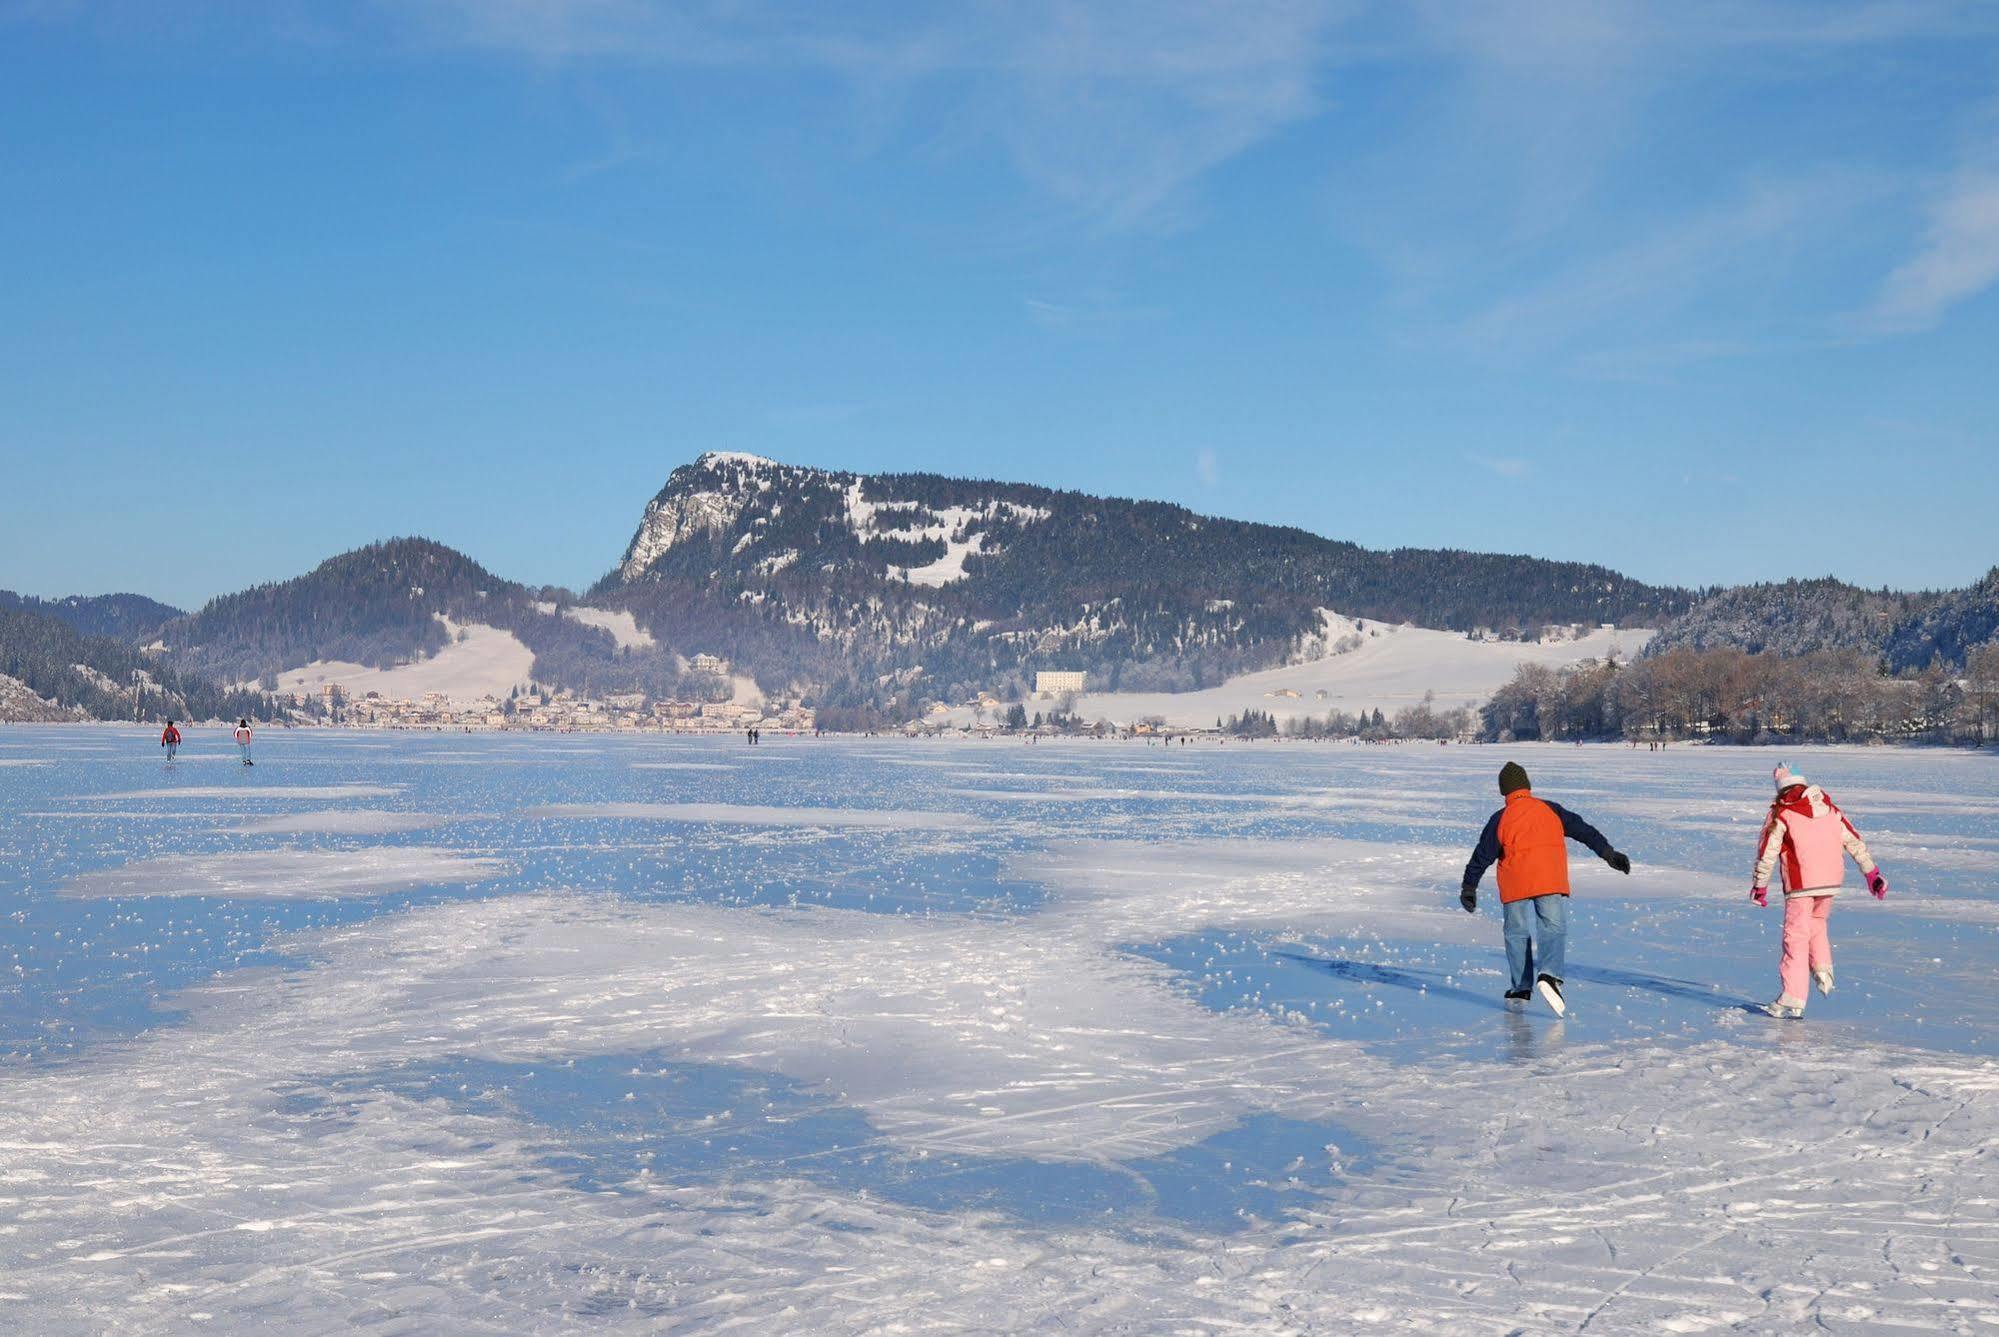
x: 1807, y: 946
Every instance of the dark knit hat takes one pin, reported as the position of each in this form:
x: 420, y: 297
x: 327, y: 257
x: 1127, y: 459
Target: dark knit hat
x: 1513, y: 776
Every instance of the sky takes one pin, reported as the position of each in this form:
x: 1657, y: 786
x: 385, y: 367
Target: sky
x: 1703, y: 292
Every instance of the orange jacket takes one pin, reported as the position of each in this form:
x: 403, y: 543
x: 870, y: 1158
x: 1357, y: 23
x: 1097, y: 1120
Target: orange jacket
x: 1526, y: 838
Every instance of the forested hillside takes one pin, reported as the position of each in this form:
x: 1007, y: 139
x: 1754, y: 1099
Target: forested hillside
x: 1802, y: 617
x: 104, y: 679
x: 947, y: 585
x: 1947, y: 628
x: 122, y: 617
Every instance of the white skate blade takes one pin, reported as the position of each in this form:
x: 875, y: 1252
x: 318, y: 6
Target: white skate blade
x: 1784, y: 1011
x: 1551, y: 998
x: 1823, y: 979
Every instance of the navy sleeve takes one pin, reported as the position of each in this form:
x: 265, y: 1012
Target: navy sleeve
x: 1576, y: 829
x: 1484, y: 855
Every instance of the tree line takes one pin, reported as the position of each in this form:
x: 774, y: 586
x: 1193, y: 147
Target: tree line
x: 1730, y: 695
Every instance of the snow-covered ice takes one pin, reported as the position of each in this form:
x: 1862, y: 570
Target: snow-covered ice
x: 1084, y: 1037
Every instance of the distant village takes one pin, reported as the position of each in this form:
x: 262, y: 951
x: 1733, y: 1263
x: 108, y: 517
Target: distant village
x: 550, y: 710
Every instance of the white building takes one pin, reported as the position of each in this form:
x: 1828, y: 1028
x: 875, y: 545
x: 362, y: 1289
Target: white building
x: 1058, y: 682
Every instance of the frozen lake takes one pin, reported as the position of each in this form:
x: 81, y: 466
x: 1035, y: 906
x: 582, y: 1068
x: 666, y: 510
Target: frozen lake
x: 494, y: 1033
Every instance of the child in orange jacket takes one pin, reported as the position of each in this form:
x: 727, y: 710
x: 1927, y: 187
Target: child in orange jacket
x: 1527, y: 839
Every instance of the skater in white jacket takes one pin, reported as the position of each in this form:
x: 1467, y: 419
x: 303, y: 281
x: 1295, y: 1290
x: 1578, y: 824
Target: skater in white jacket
x: 1809, y: 839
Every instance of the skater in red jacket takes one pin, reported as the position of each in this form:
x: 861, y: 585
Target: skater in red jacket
x: 170, y: 740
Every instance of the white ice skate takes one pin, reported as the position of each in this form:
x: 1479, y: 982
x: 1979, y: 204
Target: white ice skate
x: 1823, y: 978
x: 1786, y: 1008
x: 1550, y: 990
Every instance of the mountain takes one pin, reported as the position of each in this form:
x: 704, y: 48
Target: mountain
x: 50, y: 670
x: 121, y: 617
x: 806, y: 575
x: 394, y: 603
x: 1797, y: 617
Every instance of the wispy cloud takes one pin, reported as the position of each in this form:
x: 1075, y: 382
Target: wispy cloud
x: 1206, y: 467
x: 1628, y: 291
x: 1114, y: 108
x: 1081, y: 314
x: 1507, y: 467
x: 1958, y: 258
x: 1540, y: 207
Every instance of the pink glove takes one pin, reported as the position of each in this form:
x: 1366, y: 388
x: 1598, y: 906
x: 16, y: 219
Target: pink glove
x: 1878, y: 884
x: 1761, y: 895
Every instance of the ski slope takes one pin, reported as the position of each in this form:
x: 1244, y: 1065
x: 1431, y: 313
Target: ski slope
x: 1393, y: 667
x: 478, y: 661
x: 539, y: 1034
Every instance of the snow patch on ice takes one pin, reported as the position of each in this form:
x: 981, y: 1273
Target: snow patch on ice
x: 252, y: 791
x: 343, y: 822
x: 289, y: 874
x: 744, y: 814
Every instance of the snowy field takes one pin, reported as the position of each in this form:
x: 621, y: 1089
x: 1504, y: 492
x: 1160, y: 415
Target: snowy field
x: 504, y: 1034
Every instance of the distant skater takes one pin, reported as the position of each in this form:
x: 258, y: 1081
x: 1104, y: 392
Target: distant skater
x: 1808, y: 838
x: 243, y: 741
x: 1526, y: 838
x: 170, y: 739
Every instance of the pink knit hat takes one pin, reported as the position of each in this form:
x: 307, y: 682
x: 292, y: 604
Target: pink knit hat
x: 1786, y: 777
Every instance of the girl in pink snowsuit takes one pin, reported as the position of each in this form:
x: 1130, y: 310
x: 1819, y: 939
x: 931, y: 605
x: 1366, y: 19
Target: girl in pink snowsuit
x: 1808, y: 838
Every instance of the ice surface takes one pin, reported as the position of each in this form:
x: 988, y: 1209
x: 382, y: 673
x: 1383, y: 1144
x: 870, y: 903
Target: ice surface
x: 1219, y: 1053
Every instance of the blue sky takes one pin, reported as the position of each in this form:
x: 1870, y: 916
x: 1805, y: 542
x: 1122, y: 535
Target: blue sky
x: 1704, y: 292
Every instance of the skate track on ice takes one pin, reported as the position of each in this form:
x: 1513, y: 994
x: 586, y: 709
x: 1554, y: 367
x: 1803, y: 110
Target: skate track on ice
x: 1173, y: 946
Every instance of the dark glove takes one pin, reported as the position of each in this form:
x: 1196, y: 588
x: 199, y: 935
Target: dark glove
x: 1468, y: 898
x: 1621, y: 862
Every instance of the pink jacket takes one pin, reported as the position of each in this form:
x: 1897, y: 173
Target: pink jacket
x: 1809, y: 838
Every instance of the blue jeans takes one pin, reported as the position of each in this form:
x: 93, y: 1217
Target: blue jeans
x: 1537, y: 939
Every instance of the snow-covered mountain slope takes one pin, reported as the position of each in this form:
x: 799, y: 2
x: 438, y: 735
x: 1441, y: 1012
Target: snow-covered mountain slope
x: 939, y: 586
x: 22, y: 704
x: 386, y: 618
